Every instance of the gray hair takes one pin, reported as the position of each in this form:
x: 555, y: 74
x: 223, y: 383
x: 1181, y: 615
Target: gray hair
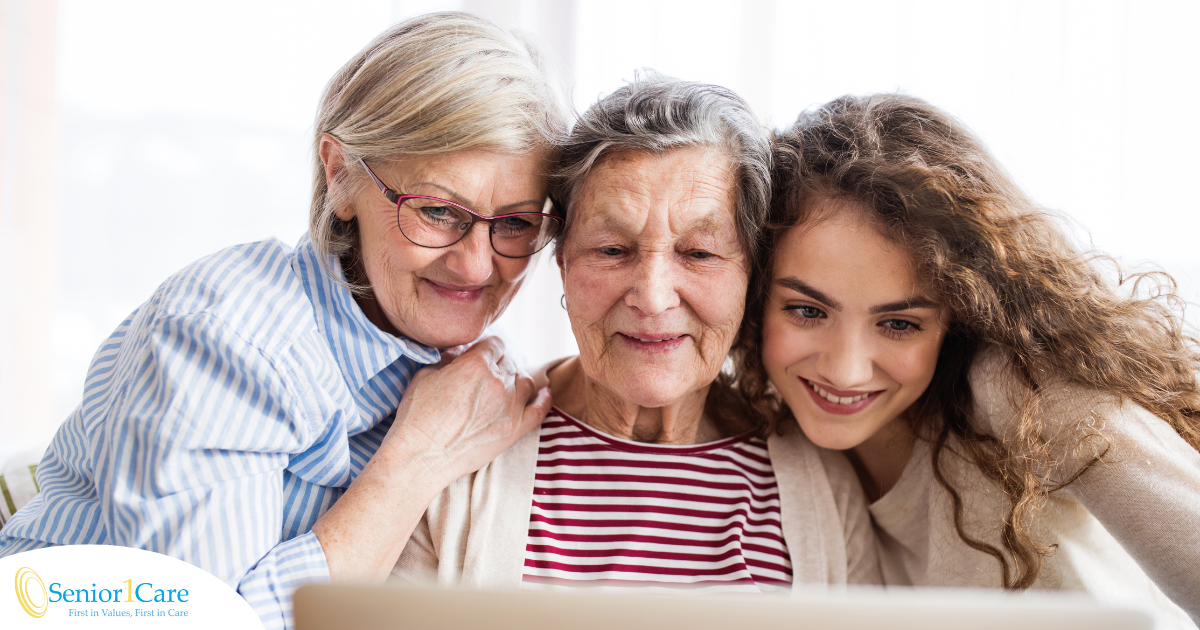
x: 437, y: 83
x: 655, y: 113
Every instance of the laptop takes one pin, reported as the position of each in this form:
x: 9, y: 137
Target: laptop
x: 330, y: 607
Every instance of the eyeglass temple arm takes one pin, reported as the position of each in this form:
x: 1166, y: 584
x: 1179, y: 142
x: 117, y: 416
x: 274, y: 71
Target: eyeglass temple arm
x: 392, y: 195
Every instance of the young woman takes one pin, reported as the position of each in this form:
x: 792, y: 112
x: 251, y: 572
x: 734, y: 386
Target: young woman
x: 1016, y: 420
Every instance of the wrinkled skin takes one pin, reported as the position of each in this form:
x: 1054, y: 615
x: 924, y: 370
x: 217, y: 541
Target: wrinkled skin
x: 455, y: 416
x: 443, y: 297
x: 655, y: 281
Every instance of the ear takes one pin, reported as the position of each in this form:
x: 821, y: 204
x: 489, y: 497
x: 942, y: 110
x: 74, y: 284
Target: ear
x: 558, y: 258
x: 334, y: 159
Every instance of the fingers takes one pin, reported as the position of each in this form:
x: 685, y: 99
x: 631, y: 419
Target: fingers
x: 536, y: 411
x: 523, y: 387
x: 491, y: 352
x: 506, y: 364
x: 490, y: 348
x: 419, y: 376
x: 487, y: 353
x: 450, y: 354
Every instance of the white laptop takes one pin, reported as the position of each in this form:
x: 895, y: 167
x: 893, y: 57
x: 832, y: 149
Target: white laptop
x: 328, y: 607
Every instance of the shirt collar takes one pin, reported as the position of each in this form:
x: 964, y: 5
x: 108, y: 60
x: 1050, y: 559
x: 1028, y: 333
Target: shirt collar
x: 362, y: 350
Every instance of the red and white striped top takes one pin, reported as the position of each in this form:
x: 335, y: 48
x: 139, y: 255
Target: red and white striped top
x: 611, y: 512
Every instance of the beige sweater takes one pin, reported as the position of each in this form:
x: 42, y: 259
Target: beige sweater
x: 474, y: 532
x: 1128, y: 531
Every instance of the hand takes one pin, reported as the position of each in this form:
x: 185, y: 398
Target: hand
x: 458, y: 415
x: 454, y: 418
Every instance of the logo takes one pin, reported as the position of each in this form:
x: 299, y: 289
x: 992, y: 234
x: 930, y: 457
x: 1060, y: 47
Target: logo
x: 107, y: 585
x: 31, y: 592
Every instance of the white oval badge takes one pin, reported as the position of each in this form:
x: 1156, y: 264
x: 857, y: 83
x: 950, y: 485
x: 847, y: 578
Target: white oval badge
x: 102, y: 586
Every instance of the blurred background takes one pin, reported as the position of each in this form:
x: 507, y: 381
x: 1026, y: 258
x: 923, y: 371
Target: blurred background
x: 139, y: 135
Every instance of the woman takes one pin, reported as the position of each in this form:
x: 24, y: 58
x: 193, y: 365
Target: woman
x: 277, y: 416
x: 649, y: 472
x: 1015, y: 420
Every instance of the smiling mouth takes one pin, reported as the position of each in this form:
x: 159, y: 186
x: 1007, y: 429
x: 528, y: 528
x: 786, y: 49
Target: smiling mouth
x: 458, y: 294
x: 654, y: 344
x: 835, y: 399
x: 451, y: 287
x: 665, y: 339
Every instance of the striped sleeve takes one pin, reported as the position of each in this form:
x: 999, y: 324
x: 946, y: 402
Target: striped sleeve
x: 192, y: 454
x: 268, y: 587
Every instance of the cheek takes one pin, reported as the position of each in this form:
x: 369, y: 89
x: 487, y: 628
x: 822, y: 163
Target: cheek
x: 377, y: 245
x: 914, y: 366
x: 512, y: 270
x: 591, y: 291
x: 391, y: 263
x: 717, y: 297
x: 393, y: 269
x: 782, y: 344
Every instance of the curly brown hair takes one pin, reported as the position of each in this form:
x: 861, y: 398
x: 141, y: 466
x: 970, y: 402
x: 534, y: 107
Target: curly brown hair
x: 1009, y: 278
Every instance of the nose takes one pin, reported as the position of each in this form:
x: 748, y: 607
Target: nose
x: 847, y: 361
x: 471, y: 258
x: 653, y: 289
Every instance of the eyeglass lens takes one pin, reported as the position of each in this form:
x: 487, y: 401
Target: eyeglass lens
x: 438, y: 223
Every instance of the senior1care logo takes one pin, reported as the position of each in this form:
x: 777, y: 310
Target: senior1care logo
x: 101, y: 586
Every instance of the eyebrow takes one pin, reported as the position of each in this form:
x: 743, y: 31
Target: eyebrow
x: 456, y: 198
x: 917, y: 301
x: 799, y: 286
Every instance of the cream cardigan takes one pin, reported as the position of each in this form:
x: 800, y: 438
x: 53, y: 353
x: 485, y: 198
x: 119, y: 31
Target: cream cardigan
x: 474, y: 532
x: 1127, y: 531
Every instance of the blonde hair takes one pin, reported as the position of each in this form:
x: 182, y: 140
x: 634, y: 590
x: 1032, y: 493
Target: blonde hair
x: 438, y: 83
x: 1010, y: 279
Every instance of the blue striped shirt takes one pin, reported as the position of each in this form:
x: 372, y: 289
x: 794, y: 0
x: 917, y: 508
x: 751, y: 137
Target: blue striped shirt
x: 221, y: 419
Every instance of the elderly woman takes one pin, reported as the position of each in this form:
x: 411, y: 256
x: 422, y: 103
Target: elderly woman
x: 268, y: 414
x: 649, y: 471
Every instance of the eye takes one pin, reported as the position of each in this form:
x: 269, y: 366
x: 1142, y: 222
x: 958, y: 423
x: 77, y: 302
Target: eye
x: 431, y: 212
x: 804, y: 314
x: 898, y: 328
x: 700, y: 255
x: 610, y: 251
x: 511, y: 226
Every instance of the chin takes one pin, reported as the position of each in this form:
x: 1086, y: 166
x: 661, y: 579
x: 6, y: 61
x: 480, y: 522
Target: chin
x: 441, y: 338
x: 645, y: 390
x: 834, y: 438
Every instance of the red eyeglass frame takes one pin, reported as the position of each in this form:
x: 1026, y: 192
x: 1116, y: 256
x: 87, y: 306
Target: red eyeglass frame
x: 398, y: 199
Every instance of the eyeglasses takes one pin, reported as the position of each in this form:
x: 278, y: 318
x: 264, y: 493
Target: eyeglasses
x: 436, y: 223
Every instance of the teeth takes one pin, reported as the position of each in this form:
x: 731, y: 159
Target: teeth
x: 655, y: 340
x: 841, y: 400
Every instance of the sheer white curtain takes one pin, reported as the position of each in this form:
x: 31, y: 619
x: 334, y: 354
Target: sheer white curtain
x: 29, y: 258
x: 160, y: 132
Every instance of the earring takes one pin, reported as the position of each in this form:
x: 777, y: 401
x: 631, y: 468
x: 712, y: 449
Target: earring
x: 563, y: 301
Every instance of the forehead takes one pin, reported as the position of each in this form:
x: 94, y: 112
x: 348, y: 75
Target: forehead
x: 842, y: 253
x: 682, y: 190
